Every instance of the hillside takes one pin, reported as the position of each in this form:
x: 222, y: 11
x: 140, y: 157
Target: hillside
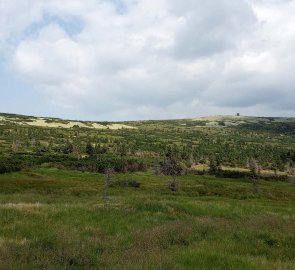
x: 54, y: 219
x: 98, y: 195
x: 230, y: 139
x: 10, y: 119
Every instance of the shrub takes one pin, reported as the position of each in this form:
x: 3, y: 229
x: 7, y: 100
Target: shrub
x: 9, y: 165
x: 125, y: 183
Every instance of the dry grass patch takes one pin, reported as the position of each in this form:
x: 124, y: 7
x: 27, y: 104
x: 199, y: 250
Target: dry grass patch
x: 161, y: 237
x: 201, y: 167
x: 269, y: 222
x: 20, y: 242
x: 119, y: 126
x: 22, y: 206
x: 42, y: 122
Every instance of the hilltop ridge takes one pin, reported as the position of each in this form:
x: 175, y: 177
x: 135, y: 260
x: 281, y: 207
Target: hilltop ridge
x: 210, y: 121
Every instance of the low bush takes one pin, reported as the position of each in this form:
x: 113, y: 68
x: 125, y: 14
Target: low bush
x: 125, y: 183
x: 9, y: 165
x: 93, y: 165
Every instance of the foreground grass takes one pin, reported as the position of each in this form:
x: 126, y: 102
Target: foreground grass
x: 53, y: 219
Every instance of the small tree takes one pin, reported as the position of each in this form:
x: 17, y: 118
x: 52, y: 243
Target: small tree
x: 89, y: 149
x: 68, y: 148
x: 98, y: 150
x: 215, y: 166
x: 15, y: 146
x: 171, y: 166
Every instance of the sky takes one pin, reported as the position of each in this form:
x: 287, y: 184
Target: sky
x: 147, y: 59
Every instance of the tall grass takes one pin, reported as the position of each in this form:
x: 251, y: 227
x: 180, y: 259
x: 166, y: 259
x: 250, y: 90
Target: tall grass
x: 53, y: 219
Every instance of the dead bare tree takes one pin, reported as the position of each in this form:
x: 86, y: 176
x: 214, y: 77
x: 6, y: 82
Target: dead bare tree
x: 255, y: 173
x: 15, y: 146
x: 157, y: 165
x: 292, y: 175
x: 171, y: 166
x: 107, y: 182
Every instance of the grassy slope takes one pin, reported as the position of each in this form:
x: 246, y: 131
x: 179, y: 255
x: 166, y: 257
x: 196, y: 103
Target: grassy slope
x: 54, y: 219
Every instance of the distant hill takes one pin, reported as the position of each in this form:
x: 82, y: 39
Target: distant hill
x: 207, y: 121
x: 48, y: 122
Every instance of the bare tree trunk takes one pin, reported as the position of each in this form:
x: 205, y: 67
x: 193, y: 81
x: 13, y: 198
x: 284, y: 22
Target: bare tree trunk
x: 174, y: 185
x: 256, y: 172
x: 107, y: 182
x: 255, y: 185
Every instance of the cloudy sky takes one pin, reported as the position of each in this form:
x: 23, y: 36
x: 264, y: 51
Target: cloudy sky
x: 147, y: 59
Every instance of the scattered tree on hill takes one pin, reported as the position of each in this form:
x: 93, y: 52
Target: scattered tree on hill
x: 68, y: 148
x: 89, y: 149
x: 99, y: 150
x: 215, y: 165
x: 15, y: 146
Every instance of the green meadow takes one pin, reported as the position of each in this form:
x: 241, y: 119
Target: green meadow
x: 55, y: 219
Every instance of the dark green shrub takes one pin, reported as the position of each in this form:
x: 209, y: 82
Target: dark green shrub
x: 125, y: 183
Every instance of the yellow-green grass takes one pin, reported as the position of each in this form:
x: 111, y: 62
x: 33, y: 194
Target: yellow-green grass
x: 52, y: 219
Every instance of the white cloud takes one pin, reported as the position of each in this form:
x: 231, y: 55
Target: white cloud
x: 15, y: 17
x: 212, y: 26
x: 154, y: 58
